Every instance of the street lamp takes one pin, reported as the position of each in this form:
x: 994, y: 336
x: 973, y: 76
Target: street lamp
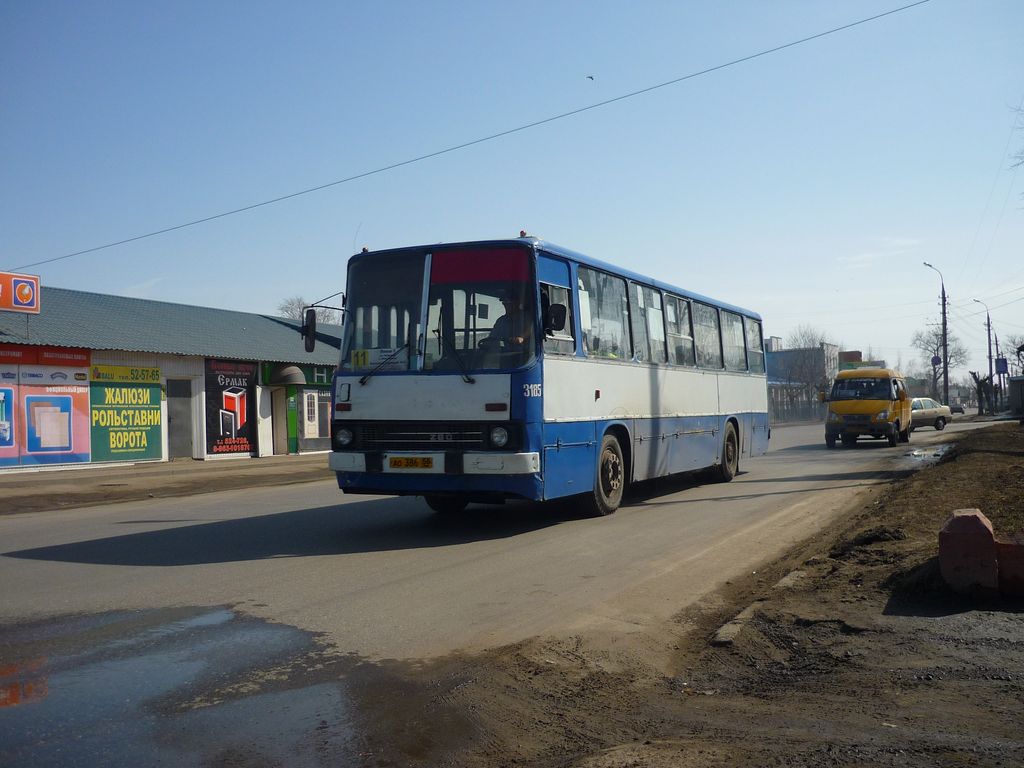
x: 945, y: 350
x: 988, y: 326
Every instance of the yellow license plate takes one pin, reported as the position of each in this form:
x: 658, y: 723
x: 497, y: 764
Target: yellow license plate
x: 411, y: 462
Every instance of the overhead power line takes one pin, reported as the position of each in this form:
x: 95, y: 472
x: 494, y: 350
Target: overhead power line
x: 474, y: 142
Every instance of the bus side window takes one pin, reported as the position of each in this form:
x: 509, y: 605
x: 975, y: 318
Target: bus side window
x: 648, y: 324
x: 638, y: 322
x: 607, y: 333
x: 755, y: 345
x: 707, y: 336
x: 733, y: 343
x: 680, y: 333
x: 557, y: 341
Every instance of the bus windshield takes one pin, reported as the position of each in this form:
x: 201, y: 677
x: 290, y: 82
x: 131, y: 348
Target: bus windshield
x: 862, y: 389
x: 384, y: 303
x: 480, y: 312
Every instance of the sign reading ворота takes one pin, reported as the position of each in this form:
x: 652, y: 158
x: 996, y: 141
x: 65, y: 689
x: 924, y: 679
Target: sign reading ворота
x: 19, y: 293
x: 126, y: 421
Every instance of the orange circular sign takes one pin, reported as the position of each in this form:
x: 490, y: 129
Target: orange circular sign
x: 24, y: 293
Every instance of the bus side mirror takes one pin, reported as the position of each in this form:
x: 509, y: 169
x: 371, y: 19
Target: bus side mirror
x: 902, y: 394
x: 821, y: 396
x: 554, y: 317
x: 309, y: 330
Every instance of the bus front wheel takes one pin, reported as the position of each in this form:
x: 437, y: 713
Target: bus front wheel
x: 610, y: 480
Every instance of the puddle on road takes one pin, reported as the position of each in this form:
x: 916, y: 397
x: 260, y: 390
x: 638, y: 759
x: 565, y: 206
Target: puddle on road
x: 930, y: 455
x: 181, y: 687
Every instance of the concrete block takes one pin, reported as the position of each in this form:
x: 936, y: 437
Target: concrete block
x: 1010, y: 554
x: 967, y: 553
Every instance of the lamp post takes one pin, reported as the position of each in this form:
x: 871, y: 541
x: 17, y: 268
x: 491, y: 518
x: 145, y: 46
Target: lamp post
x: 988, y: 326
x: 945, y: 340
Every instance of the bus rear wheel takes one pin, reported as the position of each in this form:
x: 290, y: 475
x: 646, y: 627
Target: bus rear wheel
x: 446, y: 505
x: 730, y: 464
x: 610, y: 480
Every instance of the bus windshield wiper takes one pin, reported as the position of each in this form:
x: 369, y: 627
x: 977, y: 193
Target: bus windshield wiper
x: 455, y: 353
x: 366, y: 377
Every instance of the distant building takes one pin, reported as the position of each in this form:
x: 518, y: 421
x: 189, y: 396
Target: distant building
x: 795, y: 376
x: 773, y: 344
x: 99, y: 378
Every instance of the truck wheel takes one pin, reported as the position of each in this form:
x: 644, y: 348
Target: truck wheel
x: 609, y: 480
x: 905, y: 435
x: 830, y: 441
x: 894, y: 435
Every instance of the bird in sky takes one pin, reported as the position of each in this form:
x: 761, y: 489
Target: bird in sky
x: 590, y: 77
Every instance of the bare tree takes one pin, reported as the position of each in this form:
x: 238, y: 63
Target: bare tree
x: 805, y: 362
x: 929, y: 343
x: 1015, y: 348
x: 986, y: 401
x: 295, y: 306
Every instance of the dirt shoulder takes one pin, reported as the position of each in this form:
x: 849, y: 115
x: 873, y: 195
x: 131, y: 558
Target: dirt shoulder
x: 852, y: 652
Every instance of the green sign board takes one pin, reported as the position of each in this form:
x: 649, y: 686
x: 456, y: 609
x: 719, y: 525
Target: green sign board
x: 126, y: 421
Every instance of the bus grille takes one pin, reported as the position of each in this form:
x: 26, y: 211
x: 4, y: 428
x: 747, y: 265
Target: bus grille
x: 420, y: 436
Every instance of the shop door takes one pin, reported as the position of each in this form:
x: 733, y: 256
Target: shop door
x: 179, y: 418
x: 280, y: 418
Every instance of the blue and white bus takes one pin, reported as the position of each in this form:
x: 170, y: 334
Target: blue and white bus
x: 517, y: 369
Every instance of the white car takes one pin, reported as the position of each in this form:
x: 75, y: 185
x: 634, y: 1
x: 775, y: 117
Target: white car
x: 925, y: 412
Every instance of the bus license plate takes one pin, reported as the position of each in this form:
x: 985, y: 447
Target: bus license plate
x: 411, y: 462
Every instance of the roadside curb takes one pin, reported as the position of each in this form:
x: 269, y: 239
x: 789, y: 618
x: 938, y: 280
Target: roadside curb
x: 80, y: 487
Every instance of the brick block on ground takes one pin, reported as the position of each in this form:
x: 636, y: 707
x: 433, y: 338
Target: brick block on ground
x: 967, y: 553
x: 1010, y: 557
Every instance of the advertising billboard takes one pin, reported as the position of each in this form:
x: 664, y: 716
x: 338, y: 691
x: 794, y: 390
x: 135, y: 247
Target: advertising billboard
x: 229, y: 401
x: 125, y: 415
x: 54, y: 423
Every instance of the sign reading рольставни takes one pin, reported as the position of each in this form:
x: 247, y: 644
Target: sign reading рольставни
x: 19, y: 293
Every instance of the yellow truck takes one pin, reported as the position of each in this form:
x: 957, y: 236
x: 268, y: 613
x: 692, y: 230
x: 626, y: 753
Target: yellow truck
x: 868, y: 401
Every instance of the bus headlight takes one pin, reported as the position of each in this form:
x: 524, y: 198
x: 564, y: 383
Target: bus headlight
x: 834, y: 417
x: 882, y: 416
x: 343, y: 437
x: 499, y: 437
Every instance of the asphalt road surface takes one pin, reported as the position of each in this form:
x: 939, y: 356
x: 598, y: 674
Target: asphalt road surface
x: 387, y: 578
x: 214, y: 629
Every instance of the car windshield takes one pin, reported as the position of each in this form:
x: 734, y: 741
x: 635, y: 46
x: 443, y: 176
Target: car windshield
x: 862, y: 389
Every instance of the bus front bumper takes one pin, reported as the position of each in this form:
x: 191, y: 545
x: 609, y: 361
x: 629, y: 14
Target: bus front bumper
x: 431, y: 463
x: 484, y: 477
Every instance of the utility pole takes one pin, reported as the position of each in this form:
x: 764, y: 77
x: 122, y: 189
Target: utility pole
x: 945, y: 340
x: 1002, y: 383
x: 991, y: 380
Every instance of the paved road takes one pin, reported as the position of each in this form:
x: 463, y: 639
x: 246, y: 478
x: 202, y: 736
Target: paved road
x: 385, y: 578
x: 206, y: 630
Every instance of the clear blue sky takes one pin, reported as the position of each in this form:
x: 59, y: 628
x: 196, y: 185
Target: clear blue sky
x: 808, y: 185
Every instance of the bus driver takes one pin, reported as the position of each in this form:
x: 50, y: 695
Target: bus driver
x: 512, y: 329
